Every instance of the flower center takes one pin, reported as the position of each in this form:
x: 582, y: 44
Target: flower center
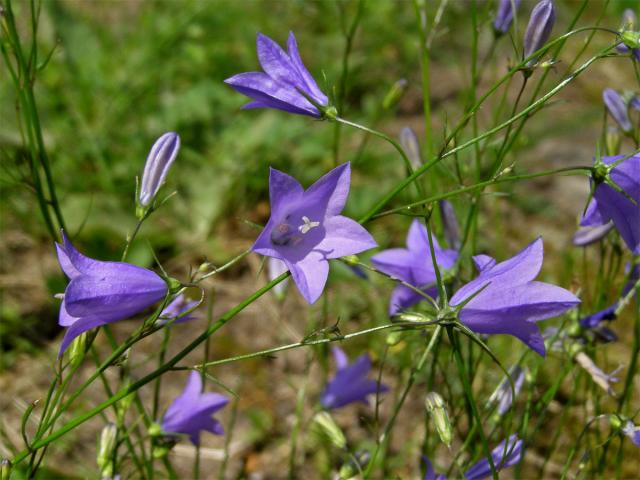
x: 287, y: 234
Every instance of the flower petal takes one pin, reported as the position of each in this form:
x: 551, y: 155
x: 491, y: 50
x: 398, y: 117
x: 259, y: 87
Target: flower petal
x: 329, y: 194
x: 340, y: 358
x: 80, y: 326
x: 625, y: 215
x: 275, y: 62
x: 396, y: 262
x: 309, y: 82
x: 344, y: 236
x: 310, y: 275
x: 283, y: 190
x: 403, y: 298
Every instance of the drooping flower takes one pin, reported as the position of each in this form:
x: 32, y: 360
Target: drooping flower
x: 192, y: 411
x: 503, y: 395
x: 413, y: 265
x: 613, y: 205
x: 506, y: 454
x: 632, y: 432
x: 178, y: 306
x: 617, y: 108
x: 543, y: 16
x: 507, y: 299
x: 281, y: 83
x: 504, y: 16
x: 350, y: 383
x: 306, y: 229
x: 159, y: 161
x: 102, y: 292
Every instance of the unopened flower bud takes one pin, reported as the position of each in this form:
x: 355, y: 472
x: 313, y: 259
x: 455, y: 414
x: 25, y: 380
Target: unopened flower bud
x: 351, y: 259
x: 325, y: 424
x: 410, y: 317
x: 411, y: 145
x: 155, y: 430
x: 351, y: 469
x: 543, y: 16
x: 450, y: 224
x: 394, y: 338
x: 160, y: 159
x: 394, y: 94
x: 5, y: 469
x: 436, y: 408
x: 174, y: 285
x: 615, y: 421
x: 106, y: 446
x: 630, y: 39
x: 612, y: 141
x: 617, y: 108
x: 77, y: 349
x: 504, y: 16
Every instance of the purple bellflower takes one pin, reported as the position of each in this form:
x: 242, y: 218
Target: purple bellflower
x: 504, y: 16
x: 350, y: 383
x: 609, y: 204
x: 192, y: 411
x: 507, y: 299
x: 159, y: 161
x: 429, y: 472
x: 102, y: 292
x: 543, y: 16
x: 413, y: 265
x: 506, y: 454
x: 632, y: 432
x: 503, y: 395
x: 306, y: 229
x: 617, y: 108
x: 281, y: 83
x: 411, y: 145
x: 635, y: 100
x: 178, y: 306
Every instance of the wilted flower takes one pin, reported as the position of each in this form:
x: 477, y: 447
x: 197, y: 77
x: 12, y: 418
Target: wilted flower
x: 102, y: 292
x: 503, y: 395
x: 159, y: 161
x: 504, y: 16
x: 506, y: 454
x: 192, y: 411
x: 543, y: 16
x: 617, y: 108
x: 178, y: 306
x: 413, y: 265
x: 629, y: 23
x: 632, y: 431
x: 281, y: 83
x: 306, y: 229
x: 411, y: 145
x: 507, y: 299
x: 350, y: 383
x: 610, y: 204
x: 603, y: 380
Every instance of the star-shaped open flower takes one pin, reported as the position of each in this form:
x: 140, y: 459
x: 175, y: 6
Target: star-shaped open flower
x: 192, y: 411
x: 611, y: 205
x: 306, y: 229
x: 102, y: 292
x: 281, y: 83
x: 413, y: 265
x: 508, y: 300
x: 350, y: 383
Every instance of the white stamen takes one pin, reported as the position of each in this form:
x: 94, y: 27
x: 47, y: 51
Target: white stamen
x: 308, y: 225
x: 59, y: 296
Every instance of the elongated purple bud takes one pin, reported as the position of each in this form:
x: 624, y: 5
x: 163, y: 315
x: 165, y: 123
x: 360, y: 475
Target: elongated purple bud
x: 160, y: 159
x: 411, y: 145
x: 504, y: 16
x: 543, y: 16
x: 635, y: 102
x: 450, y: 224
x: 617, y: 108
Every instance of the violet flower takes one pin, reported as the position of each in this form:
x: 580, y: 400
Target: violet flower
x: 506, y: 454
x: 159, y: 161
x: 350, y: 383
x: 450, y: 224
x: 429, y: 472
x: 543, y: 16
x: 192, y: 411
x: 283, y: 82
x: 178, y: 306
x: 102, y: 292
x: 503, y: 395
x: 411, y: 145
x: 413, y: 265
x: 592, y: 226
x: 507, y: 299
x: 618, y: 207
x: 306, y: 229
x: 504, y: 16
x: 617, y: 108
x: 635, y: 100
x: 632, y: 432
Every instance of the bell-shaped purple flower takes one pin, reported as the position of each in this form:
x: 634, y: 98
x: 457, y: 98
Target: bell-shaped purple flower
x: 611, y: 205
x: 413, y: 265
x: 350, y: 383
x: 507, y: 299
x: 506, y: 454
x: 281, y: 83
x: 102, y: 292
x: 159, y: 161
x: 178, y: 306
x: 192, y: 411
x: 617, y: 108
x: 504, y: 16
x: 543, y: 16
x: 306, y: 229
